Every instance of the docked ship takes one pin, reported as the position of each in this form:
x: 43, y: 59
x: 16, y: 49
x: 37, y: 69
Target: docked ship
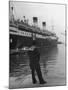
x: 22, y: 34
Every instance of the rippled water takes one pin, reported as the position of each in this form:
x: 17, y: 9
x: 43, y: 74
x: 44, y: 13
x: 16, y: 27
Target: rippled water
x: 53, y: 61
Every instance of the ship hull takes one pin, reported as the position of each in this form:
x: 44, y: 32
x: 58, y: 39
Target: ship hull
x: 22, y: 41
x: 23, y: 36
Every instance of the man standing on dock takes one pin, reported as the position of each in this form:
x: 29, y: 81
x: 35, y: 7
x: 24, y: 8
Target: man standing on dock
x: 34, y: 57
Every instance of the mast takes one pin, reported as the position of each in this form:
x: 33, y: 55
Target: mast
x: 52, y: 27
x: 52, y: 24
x: 11, y: 12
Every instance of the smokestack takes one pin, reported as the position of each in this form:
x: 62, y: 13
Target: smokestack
x: 44, y: 25
x: 35, y: 21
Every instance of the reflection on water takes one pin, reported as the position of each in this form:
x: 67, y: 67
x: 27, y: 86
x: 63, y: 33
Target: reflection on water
x: 48, y: 58
x: 52, y: 62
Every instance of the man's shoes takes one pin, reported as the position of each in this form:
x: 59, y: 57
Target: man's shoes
x: 43, y: 82
x: 34, y: 82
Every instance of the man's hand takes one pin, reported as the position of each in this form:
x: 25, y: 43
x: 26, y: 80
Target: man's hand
x: 28, y: 49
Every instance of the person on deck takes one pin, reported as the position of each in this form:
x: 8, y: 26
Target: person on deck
x: 34, y: 58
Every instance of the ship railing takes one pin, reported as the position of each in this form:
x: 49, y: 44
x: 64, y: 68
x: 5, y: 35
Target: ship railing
x: 30, y: 28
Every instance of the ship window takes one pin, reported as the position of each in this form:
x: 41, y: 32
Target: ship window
x: 27, y: 33
x: 24, y: 33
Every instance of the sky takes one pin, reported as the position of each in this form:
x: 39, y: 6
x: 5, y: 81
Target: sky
x: 53, y: 14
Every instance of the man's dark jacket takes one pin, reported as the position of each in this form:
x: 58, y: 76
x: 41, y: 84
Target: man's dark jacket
x: 34, y: 57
